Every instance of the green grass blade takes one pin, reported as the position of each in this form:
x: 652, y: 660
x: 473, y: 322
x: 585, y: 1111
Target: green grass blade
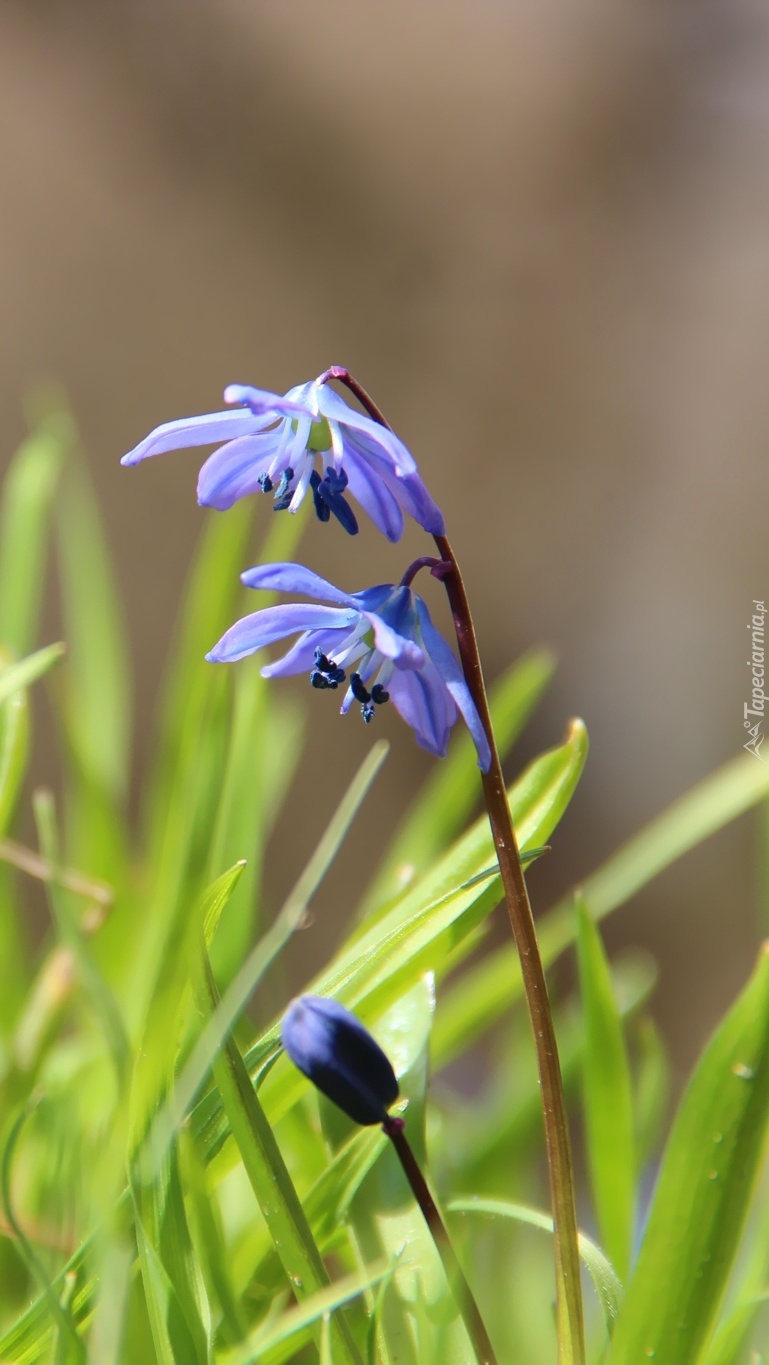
x: 418, y: 933
x: 264, y: 1345
x: 13, y: 677
x: 14, y: 749
x: 707, y: 1176
x: 266, y: 1169
x: 445, y: 801
x: 726, y: 794
x: 27, y: 495
x: 95, y: 696
x: 608, y: 1285
x: 61, y: 1319
x: 607, y: 1097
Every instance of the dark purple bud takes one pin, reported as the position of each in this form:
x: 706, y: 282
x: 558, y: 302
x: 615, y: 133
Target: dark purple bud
x: 333, y: 1049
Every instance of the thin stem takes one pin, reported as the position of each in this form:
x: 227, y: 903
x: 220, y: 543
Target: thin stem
x: 460, y: 1288
x: 569, y: 1296
x: 571, y: 1347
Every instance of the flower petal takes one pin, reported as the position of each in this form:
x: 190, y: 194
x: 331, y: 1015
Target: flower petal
x: 371, y: 434
x: 191, y: 431
x: 287, y: 577
x: 421, y: 699
x: 301, y: 656
x: 233, y: 471
x: 374, y: 496
x: 452, y: 675
x: 261, y: 401
x: 275, y: 623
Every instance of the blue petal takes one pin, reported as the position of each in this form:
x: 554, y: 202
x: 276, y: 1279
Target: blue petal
x: 191, y: 431
x: 408, y: 490
x: 275, y: 623
x: 233, y: 471
x: 333, y: 1049
x: 261, y: 401
x: 371, y: 435
x: 452, y: 674
x: 287, y: 577
x: 374, y: 496
x: 301, y: 656
x: 421, y: 699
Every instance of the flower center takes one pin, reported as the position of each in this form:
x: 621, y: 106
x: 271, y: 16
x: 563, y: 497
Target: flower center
x: 319, y: 438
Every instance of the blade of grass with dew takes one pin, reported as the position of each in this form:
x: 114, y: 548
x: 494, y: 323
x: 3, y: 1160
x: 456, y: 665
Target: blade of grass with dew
x: 266, y: 1170
x: 489, y: 988
x: 732, y: 1338
x: 373, y: 970
x: 446, y: 799
x: 27, y: 494
x: 707, y: 1175
x: 265, y: 950
x: 607, y: 1097
x: 95, y: 692
x: 608, y: 1285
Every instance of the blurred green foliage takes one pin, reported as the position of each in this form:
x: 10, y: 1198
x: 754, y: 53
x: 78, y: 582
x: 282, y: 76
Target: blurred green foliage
x: 171, y: 1189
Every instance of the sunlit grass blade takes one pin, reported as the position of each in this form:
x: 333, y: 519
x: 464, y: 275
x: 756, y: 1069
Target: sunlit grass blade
x: 607, y: 1097
x: 719, y: 799
x: 14, y: 753
x: 417, y: 934
x: 269, y: 1344
x: 652, y: 1089
x: 266, y: 1169
x: 95, y: 692
x: 61, y: 1319
x: 27, y: 495
x: 451, y: 791
x: 266, y: 949
x: 708, y: 1172
x: 732, y: 1339
x: 168, y: 1266
x: 608, y: 1285
x: 14, y: 748
x: 264, y: 746
x: 13, y: 677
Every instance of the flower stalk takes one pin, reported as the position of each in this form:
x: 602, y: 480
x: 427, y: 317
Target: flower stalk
x: 461, y: 1290
x: 570, y: 1324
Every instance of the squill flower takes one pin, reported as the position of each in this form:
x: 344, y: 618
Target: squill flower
x: 381, y: 641
x: 333, y: 1049
x: 271, y: 444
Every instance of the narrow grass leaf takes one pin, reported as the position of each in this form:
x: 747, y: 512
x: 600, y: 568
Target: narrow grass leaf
x: 708, y: 1172
x: 446, y: 799
x: 266, y: 1169
x: 264, y: 1345
x: 489, y: 988
x: 608, y: 1285
x: 730, y: 1343
x: 13, y: 677
x: 27, y: 495
x: 607, y: 1097
x: 14, y: 750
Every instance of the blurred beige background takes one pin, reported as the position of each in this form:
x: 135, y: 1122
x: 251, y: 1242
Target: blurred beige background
x: 538, y: 234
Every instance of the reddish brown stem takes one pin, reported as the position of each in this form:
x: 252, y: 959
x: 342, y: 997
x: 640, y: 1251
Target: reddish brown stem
x: 461, y: 1290
x: 571, y: 1348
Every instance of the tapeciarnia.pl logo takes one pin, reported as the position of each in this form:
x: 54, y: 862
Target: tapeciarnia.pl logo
x: 755, y: 707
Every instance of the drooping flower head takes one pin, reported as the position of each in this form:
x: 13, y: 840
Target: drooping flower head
x: 381, y: 642
x: 308, y: 441
x: 333, y: 1049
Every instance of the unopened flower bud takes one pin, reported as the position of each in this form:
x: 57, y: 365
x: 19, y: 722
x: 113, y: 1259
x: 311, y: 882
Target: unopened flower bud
x: 333, y: 1049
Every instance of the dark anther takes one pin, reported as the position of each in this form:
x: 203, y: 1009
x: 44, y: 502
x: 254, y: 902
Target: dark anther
x: 284, y: 485
x: 378, y: 695
x: 327, y: 496
x: 321, y: 661
x: 367, y: 713
x: 358, y: 690
x: 265, y: 483
x: 319, y: 680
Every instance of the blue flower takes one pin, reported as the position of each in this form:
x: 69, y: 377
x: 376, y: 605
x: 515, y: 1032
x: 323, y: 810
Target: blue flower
x: 333, y: 1049
x: 272, y: 445
x: 383, y: 634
